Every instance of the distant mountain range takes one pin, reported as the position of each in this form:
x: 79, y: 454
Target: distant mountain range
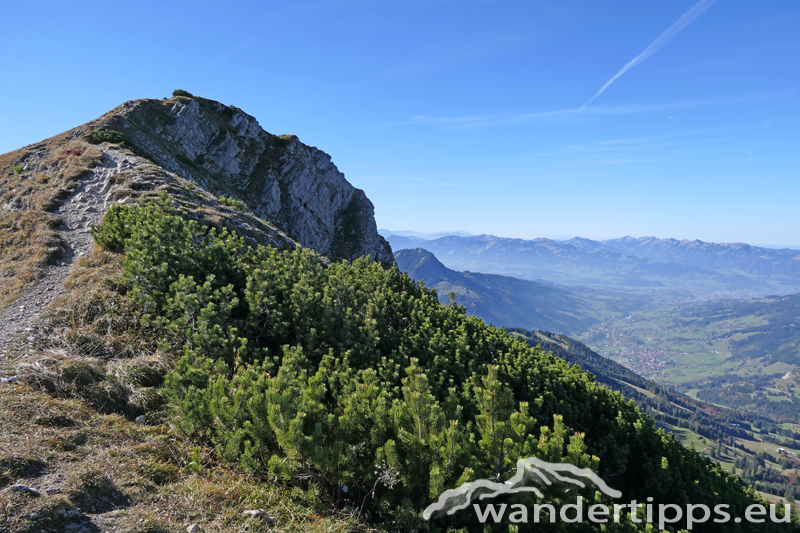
x: 501, y: 300
x: 423, y: 236
x: 646, y: 262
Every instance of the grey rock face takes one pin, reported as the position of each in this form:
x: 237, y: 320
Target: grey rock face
x: 282, y: 180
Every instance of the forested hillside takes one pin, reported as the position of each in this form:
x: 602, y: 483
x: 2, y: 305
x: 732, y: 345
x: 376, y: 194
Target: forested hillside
x: 501, y: 300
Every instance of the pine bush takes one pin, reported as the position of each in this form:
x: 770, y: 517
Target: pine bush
x: 354, y: 378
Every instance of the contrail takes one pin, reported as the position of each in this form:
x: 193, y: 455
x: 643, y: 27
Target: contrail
x: 656, y: 45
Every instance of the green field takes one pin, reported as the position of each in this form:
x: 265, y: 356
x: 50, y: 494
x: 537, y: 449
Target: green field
x: 693, y: 347
x: 726, y: 455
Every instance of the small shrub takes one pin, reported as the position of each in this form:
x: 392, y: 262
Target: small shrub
x: 113, y: 137
x: 86, y: 344
x: 150, y: 402
x: 82, y: 379
x: 160, y: 473
x: 56, y: 421
x: 228, y: 111
x: 233, y: 202
x: 18, y: 169
x: 181, y: 92
x: 67, y: 442
x: 116, y: 228
x: 106, y: 136
x: 86, y: 489
x: 282, y: 141
x: 145, y: 371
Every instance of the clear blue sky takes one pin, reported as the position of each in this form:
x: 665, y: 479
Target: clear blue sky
x: 464, y: 114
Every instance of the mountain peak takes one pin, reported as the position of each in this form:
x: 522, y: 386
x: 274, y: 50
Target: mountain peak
x: 279, y: 178
x: 216, y: 163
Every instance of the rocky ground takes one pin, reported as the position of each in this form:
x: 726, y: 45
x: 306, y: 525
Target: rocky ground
x: 78, y: 213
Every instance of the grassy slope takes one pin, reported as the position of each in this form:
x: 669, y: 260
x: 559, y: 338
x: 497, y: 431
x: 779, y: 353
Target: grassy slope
x: 133, y: 477
x: 142, y: 478
x: 33, y: 181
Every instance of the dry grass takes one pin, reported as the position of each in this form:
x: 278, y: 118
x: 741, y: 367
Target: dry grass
x: 89, y: 347
x: 49, y: 171
x: 105, y: 470
x: 89, y: 318
x: 33, y: 182
x: 66, y: 430
x: 28, y: 242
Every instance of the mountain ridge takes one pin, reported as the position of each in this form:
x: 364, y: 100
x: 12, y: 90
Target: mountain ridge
x: 278, y: 177
x: 646, y: 262
x: 499, y: 300
x: 215, y: 161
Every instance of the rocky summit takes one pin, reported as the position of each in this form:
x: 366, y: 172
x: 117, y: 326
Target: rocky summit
x: 296, y: 188
x: 279, y: 178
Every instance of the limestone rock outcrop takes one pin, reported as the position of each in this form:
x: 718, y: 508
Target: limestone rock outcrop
x: 223, y: 149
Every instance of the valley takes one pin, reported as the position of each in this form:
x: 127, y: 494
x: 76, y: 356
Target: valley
x: 717, y: 369
x: 741, y: 354
x: 738, y: 348
x: 763, y: 451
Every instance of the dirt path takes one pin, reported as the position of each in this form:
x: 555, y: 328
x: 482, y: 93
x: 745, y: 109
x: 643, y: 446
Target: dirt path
x: 78, y: 212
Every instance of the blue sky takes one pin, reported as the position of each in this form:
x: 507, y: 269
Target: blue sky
x: 464, y: 114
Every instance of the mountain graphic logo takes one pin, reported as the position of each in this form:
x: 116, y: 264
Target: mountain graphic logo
x: 531, y: 473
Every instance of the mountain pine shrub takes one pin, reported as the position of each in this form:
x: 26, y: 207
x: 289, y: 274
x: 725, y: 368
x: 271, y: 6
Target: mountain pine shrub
x: 233, y: 202
x: 353, y: 379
